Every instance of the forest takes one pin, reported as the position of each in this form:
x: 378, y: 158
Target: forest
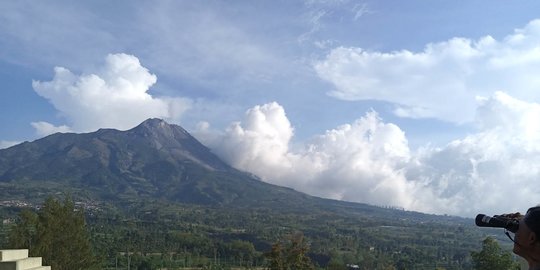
x: 161, y: 235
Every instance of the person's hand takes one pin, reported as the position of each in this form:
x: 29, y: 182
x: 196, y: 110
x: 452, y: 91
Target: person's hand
x: 516, y: 215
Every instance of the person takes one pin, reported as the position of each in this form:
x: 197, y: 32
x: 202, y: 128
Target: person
x: 527, y: 237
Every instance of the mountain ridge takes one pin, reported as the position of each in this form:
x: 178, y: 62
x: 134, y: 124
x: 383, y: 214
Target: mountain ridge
x: 152, y: 160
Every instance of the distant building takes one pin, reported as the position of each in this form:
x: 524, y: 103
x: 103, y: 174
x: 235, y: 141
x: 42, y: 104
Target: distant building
x: 7, y: 221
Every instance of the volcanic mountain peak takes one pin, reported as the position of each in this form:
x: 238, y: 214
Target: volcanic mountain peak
x: 153, y: 160
x: 176, y: 141
x: 157, y: 128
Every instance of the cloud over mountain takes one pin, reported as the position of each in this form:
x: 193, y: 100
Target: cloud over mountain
x: 45, y: 128
x: 369, y: 160
x: 115, y: 96
x: 356, y: 162
x: 6, y: 144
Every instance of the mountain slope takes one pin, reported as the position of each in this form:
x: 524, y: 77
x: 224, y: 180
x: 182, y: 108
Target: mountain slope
x: 152, y: 160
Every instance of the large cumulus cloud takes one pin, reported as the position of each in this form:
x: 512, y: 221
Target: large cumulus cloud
x: 115, y: 96
x: 356, y: 162
x: 493, y: 170
x: 496, y: 168
x: 261, y: 139
x: 445, y: 76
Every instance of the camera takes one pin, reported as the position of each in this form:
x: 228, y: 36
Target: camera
x: 510, y: 224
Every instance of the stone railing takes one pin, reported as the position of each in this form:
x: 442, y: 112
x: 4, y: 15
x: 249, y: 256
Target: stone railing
x: 17, y: 259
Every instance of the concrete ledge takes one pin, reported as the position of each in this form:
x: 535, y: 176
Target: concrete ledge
x: 17, y: 259
x: 22, y: 264
x: 13, y: 254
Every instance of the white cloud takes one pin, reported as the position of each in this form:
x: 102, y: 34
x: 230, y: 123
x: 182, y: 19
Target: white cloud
x: 314, y: 18
x: 443, y: 77
x: 7, y: 144
x: 116, y: 96
x: 355, y: 162
x: 495, y: 170
x: 206, y: 46
x: 361, y: 10
x: 359, y: 162
x: 261, y: 139
x: 44, y: 128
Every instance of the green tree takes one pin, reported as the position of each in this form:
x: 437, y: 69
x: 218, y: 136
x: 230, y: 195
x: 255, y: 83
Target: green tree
x: 291, y: 255
x: 492, y: 257
x: 24, y: 234
x: 275, y: 257
x: 58, y: 234
x: 243, y: 252
x: 336, y: 264
x: 145, y: 265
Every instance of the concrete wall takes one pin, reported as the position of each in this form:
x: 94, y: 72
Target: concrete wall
x: 17, y: 259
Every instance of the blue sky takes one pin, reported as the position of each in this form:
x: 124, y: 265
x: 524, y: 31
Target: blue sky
x: 427, y: 105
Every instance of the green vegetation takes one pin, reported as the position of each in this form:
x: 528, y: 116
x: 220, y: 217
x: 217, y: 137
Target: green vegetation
x: 156, y: 234
x: 492, y: 257
x: 57, y: 233
x: 292, y: 253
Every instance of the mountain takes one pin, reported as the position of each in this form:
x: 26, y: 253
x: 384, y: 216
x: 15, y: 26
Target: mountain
x: 159, y: 183
x: 153, y: 160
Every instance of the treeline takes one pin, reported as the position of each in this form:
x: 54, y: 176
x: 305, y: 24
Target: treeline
x: 159, y: 235
x: 57, y: 233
